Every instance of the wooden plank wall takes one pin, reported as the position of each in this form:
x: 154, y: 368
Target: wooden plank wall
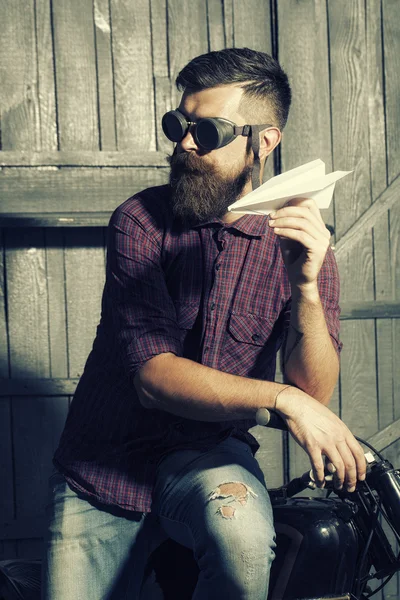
x: 84, y: 85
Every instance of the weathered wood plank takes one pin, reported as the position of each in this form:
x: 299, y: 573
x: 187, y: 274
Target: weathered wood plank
x: 75, y: 65
x: 133, y: 74
x: 181, y: 18
x: 308, y: 132
x: 358, y: 377
x: 215, y: 25
x: 57, y: 308
x: 228, y: 23
x: 162, y: 82
x: 252, y: 28
x: 82, y: 158
x: 22, y: 528
x: 369, y: 310
x: 105, y: 79
x: 98, y: 219
x: 4, y: 367
x: 252, y: 25
x: 84, y: 276
x: 27, y: 304
x: 7, y: 509
x: 385, y: 202
x: 377, y: 133
x: 349, y: 109
x: 73, y: 190
x: 270, y: 455
x: 386, y: 436
x: 391, y: 38
x: 46, y: 81
x: 37, y: 428
x: 20, y: 125
x: 38, y: 387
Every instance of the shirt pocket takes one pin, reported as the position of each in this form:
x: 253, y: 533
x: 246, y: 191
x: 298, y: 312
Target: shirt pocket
x: 251, y: 329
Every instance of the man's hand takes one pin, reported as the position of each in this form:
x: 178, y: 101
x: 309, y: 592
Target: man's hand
x: 304, y: 239
x: 321, y: 433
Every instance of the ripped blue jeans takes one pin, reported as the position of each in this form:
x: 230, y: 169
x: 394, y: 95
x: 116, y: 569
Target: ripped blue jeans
x: 214, y: 502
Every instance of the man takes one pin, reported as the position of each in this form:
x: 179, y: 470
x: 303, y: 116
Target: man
x: 197, y: 302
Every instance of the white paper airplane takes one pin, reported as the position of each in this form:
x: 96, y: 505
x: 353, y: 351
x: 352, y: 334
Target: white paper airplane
x: 306, y: 181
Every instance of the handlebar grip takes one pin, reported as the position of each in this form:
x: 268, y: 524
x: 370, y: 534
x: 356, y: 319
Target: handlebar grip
x: 269, y: 418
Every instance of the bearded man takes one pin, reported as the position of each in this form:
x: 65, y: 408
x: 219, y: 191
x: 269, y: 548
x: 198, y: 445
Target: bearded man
x: 196, y: 304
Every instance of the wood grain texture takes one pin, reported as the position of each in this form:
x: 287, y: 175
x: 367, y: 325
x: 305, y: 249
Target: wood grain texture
x: 391, y: 38
x: 133, y: 74
x: 252, y: 25
x: 349, y: 109
x: 27, y: 304
x: 162, y: 81
x: 252, y: 29
x: 270, y: 455
x: 303, y: 53
x: 37, y: 428
x: 38, y: 387
x: 358, y: 377
x: 20, y: 123
x: 84, y: 276
x: 46, y: 80
x: 57, y: 306
x: 6, y: 464
x: 82, y: 158
x: 75, y: 65
x: 73, y: 190
x: 377, y: 126
x: 363, y: 226
x: 105, y: 77
x: 215, y: 25
x: 186, y: 21
x: 228, y: 22
x: 4, y: 367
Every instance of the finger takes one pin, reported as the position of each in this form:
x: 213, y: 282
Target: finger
x: 359, y: 457
x: 349, y: 465
x: 300, y: 212
x: 335, y: 458
x: 309, y: 203
x: 300, y: 224
x: 317, y: 465
x: 302, y: 237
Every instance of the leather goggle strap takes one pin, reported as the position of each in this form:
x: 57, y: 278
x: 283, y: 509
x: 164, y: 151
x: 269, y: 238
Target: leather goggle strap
x: 255, y: 146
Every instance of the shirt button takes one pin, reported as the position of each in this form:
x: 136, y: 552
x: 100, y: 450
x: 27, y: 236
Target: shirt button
x: 255, y: 337
x: 212, y: 307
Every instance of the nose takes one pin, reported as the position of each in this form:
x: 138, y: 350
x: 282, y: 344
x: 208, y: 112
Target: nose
x: 188, y: 143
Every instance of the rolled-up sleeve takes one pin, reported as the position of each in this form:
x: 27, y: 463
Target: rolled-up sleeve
x: 143, y: 316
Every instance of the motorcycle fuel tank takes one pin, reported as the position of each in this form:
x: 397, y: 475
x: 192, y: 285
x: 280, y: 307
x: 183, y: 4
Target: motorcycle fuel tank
x: 317, y: 549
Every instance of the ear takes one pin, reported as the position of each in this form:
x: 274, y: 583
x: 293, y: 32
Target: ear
x: 269, y: 139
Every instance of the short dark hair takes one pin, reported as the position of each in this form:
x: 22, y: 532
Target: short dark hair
x: 267, y: 93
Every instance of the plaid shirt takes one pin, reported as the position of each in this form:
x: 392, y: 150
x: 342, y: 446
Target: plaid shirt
x: 216, y: 294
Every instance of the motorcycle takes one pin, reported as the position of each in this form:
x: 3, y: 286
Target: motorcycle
x: 327, y: 548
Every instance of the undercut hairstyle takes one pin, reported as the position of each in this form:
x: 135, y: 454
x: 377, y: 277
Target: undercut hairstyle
x: 267, y: 94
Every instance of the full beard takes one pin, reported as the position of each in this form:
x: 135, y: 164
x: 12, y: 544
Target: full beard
x: 199, y: 192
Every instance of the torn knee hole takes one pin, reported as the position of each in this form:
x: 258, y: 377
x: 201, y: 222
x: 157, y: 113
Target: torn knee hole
x: 228, y: 512
x: 233, y: 489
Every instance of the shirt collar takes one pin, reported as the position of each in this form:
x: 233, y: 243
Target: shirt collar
x: 254, y: 225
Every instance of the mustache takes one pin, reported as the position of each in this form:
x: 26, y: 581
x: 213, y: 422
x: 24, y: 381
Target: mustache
x: 188, y: 162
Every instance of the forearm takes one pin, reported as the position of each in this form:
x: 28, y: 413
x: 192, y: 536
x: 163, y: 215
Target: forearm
x: 193, y: 391
x: 310, y: 359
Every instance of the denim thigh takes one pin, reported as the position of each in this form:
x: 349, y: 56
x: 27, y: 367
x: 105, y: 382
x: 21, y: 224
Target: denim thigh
x: 93, y: 552
x: 216, y: 503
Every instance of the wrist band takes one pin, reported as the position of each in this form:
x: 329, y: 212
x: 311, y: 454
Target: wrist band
x: 280, y: 392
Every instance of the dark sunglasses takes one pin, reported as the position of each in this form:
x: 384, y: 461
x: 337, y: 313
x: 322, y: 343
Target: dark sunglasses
x: 209, y: 133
